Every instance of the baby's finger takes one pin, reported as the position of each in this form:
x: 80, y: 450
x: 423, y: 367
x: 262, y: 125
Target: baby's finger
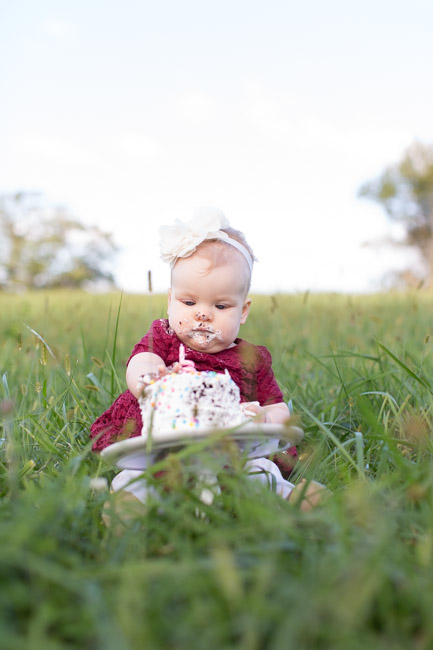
x: 254, y: 411
x: 162, y: 370
x: 143, y: 382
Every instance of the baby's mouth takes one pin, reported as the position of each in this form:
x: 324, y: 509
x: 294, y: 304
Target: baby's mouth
x: 202, y: 335
x: 199, y: 332
x: 203, y: 326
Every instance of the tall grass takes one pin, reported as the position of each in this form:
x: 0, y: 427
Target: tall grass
x: 249, y: 571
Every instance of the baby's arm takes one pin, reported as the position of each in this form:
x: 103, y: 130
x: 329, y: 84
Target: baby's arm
x: 143, y: 363
x: 272, y: 414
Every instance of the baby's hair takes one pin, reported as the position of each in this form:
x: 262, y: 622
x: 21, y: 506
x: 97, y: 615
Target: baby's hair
x: 240, y: 237
x: 218, y: 252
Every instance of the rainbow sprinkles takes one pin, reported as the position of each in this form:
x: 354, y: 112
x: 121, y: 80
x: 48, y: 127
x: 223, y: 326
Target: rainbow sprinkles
x: 182, y: 401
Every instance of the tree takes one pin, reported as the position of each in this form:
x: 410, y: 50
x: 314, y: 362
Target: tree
x: 405, y: 191
x: 42, y: 247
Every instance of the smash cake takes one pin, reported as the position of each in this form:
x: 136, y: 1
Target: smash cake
x: 193, y: 400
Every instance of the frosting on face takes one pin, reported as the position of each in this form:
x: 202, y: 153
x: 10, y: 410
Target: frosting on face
x: 198, y: 331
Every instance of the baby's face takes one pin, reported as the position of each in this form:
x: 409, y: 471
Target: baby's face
x: 206, y: 308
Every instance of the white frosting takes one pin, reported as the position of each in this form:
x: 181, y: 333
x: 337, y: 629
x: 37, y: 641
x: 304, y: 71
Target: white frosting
x: 190, y: 400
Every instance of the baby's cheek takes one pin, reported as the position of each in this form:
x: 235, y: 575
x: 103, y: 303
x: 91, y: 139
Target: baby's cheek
x: 182, y: 325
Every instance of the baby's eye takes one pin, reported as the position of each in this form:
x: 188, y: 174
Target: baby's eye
x: 188, y: 303
x: 221, y: 306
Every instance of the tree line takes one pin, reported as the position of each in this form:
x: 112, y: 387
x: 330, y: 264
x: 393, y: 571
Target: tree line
x: 405, y: 191
x: 43, y: 247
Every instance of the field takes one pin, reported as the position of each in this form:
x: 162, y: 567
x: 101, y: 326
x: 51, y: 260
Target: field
x: 251, y: 571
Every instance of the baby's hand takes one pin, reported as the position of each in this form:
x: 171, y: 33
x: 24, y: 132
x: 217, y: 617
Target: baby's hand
x: 254, y: 411
x: 176, y: 367
x: 309, y: 495
x: 149, y: 377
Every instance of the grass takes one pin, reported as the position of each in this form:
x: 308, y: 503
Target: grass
x: 252, y: 572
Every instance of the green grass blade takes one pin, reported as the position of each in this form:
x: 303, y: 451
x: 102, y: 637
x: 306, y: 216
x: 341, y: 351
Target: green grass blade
x: 113, y: 354
x: 407, y: 370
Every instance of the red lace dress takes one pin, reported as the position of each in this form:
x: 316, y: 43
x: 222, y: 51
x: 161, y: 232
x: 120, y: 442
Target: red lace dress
x: 250, y: 367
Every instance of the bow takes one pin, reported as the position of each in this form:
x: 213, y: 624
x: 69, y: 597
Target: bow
x: 182, y: 239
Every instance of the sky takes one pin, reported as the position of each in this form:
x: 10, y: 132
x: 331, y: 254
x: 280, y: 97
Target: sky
x: 132, y: 114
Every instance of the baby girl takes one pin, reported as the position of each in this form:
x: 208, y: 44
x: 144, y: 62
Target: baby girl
x: 211, y: 267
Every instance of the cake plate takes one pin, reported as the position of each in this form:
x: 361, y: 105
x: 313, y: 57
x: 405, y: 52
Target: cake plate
x: 135, y: 453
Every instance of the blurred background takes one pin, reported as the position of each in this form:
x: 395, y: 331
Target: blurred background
x: 309, y: 124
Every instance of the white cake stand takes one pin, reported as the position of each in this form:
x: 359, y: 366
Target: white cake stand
x: 134, y: 453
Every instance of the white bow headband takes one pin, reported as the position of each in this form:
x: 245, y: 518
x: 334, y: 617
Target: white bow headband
x: 182, y: 239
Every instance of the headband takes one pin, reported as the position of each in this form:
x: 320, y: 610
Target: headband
x: 182, y: 239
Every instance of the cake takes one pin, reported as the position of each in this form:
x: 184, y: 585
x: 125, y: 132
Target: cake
x: 193, y: 400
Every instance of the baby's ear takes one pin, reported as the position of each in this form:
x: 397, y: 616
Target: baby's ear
x: 245, y: 310
x: 169, y: 299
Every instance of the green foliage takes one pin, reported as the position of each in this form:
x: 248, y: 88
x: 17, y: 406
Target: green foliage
x: 42, y: 247
x: 249, y: 571
x: 405, y: 191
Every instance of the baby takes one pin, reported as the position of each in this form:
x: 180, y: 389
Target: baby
x: 211, y: 267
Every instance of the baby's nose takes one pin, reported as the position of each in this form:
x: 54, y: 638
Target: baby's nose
x: 202, y: 316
